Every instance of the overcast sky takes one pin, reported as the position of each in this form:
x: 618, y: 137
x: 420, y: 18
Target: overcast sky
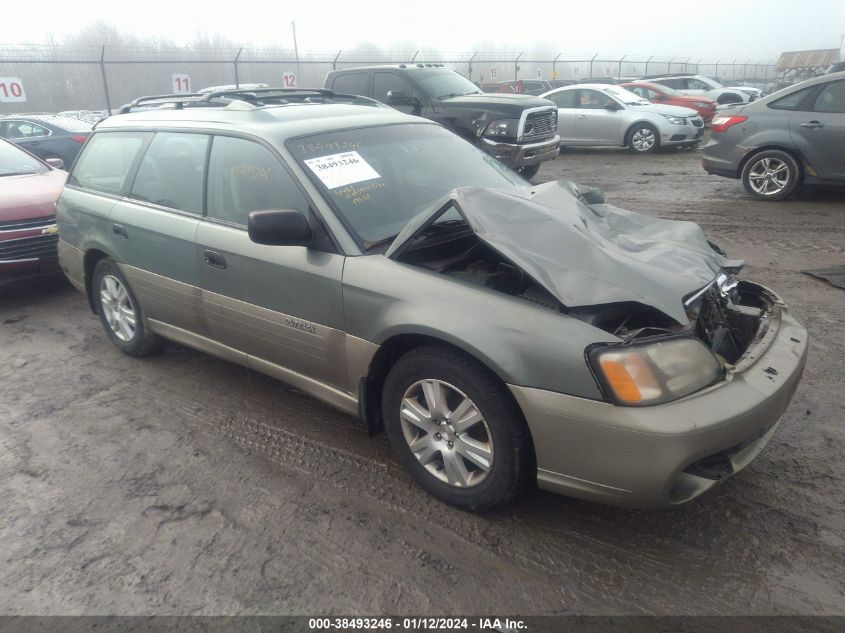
x: 750, y: 29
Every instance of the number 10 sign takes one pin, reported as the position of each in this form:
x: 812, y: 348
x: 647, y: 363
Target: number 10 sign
x: 11, y: 90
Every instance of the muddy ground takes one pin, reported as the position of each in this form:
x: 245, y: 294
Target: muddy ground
x: 184, y: 484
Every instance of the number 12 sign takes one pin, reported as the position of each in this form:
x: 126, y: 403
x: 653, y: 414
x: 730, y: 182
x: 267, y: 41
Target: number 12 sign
x: 289, y: 80
x: 11, y: 89
x: 181, y: 84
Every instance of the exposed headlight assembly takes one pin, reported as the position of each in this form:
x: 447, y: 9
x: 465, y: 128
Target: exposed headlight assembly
x: 676, y: 120
x: 502, y: 127
x: 655, y: 372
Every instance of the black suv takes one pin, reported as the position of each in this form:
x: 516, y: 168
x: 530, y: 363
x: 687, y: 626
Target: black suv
x: 519, y: 130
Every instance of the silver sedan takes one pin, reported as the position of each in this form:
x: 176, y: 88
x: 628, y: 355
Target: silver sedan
x: 601, y: 114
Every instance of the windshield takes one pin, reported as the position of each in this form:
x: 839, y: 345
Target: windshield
x: 379, y: 178
x: 16, y: 162
x: 665, y: 90
x: 625, y: 96
x: 441, y: 83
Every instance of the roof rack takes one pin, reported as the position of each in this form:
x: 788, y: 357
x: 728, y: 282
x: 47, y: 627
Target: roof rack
x: 255, y: 96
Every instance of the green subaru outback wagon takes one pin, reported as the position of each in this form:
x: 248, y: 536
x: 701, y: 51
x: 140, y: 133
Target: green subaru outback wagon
x: 503, y: 334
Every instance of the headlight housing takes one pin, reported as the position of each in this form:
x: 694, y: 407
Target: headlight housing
x: 676, y: 120
x: 502, y: 127
x: 701, y: 104
x: 655, y: 372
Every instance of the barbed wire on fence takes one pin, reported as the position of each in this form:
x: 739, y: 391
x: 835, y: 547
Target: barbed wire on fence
x: 55, y: 78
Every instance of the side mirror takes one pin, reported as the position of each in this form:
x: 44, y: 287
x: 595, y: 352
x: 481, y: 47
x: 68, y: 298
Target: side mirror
x: 57, y: 163
x: 613, y: 106
x: 396, y: 97
x: 279, y: 227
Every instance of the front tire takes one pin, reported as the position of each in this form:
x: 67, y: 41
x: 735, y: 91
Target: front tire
x: 643, y: 138
x: 120, y: 312
x: 455, y: 427
x: 771, y: 175
x: 529, y: 171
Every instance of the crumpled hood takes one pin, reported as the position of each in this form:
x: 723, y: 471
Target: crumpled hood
x: 587, y: 255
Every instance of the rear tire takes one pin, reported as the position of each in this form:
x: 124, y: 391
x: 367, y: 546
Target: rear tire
x: 455, y: 427
x: 771, y: 175
x: 730, y: 97
x: 119, y: 311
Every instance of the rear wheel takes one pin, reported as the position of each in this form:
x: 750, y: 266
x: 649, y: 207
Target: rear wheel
x: 729, y: 97
x: 120, y: 312
x: 771, y: 175
x: 643, y: 138
x: 454, y: 426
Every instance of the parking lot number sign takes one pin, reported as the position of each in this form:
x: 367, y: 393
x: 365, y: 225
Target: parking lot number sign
x: 493, y: 73
x: 181, y: 84
x: 11, y: 90
x: 539, y: 73
x: 289, y: 80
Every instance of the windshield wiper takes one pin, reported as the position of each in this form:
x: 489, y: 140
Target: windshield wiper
x: 18, y: 173
x: 459, y: 94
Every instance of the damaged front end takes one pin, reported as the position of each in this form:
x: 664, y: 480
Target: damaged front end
x: 668, y: 296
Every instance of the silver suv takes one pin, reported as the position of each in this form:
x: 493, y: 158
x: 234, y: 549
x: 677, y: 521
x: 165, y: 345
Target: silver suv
x: 793, y: 136
x: 503, y: 334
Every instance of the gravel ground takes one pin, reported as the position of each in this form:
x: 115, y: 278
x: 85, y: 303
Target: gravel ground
x: 182, y: 484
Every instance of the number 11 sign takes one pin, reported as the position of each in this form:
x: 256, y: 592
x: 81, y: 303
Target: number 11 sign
x: 181, y: 84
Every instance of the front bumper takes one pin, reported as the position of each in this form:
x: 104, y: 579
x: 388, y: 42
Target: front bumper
x: 667, y: 454
x: 671, y: 134
x: 28, y: 252
x: 518, y: 155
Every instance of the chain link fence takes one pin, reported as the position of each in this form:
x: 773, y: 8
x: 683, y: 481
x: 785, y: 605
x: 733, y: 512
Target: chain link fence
x: 59, y: 78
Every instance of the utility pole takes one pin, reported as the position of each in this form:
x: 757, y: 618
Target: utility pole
x: 296, y: 52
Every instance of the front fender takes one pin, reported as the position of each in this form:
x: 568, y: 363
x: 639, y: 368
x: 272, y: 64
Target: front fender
x: 521, y: 342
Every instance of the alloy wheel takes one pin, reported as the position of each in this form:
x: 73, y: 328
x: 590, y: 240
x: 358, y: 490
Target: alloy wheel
x: 643, y: 139
x: 768, y: 176
x: 447, y: 433
x: 118, y: 308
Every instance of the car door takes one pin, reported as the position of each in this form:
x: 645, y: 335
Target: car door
x: 153, y: 230
x: 595, y: 124
x: 281, y: 305
x: 819, y: 131
x: 567, y: 113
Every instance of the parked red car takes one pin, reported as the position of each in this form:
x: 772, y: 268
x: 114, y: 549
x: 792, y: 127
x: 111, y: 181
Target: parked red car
x: 29, y: 188
x: 657, y: 93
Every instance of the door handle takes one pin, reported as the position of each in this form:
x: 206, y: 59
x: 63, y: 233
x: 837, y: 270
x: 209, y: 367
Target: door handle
x: 213, y: 258
x: 582, y: 116
x: 812, y: 124
x: 120, y: 231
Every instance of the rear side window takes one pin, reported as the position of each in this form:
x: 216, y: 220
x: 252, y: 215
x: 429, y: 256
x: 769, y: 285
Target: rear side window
x: 565, y: 99
x: 244, y: 176
x: 351, y: 83
x: 832, y: 98
x: 24, y: 130
x: 171, y: 172
x: 791, y: 101
x: 107, y: 160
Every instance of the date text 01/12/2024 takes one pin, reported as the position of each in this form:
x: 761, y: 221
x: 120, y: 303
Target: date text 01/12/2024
x: 416, y: 624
